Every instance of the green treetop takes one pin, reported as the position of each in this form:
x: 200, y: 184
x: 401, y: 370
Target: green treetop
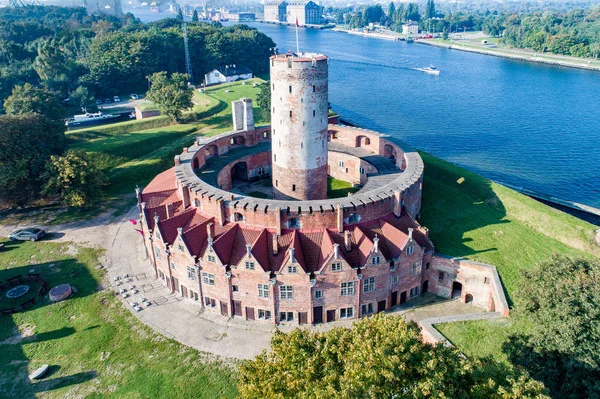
x: 379, y: 357
x: 30, y: 99
x: 171, y: 95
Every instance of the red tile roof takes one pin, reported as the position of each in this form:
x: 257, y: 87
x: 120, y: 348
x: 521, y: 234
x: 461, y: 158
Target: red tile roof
x: 168, y: 227
x: 164, y: 181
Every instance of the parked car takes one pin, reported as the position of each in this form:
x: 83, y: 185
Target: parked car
x: 28, y: 234
x: 107, y: 101
x: 134, y: 96
x: 98, y: 102
x: 117, y: 99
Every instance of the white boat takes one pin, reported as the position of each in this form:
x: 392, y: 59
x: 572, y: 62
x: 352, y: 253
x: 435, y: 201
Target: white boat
x: 90, y: 119
x: 430, y: 70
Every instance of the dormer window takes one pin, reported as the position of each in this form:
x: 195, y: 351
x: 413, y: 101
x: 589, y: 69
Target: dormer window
x: 376, y: 260
x: 410, y: 249
x: 292, y: 269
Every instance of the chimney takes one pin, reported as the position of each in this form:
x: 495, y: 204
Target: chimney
x: 210, y: 231
x: 155, y: 222
x: 275, y: 244
x: 179, y: 231
x: 249, y: 250
x: 292, y: 257
x: 376, y: 244
x: 336, y: 251
x: 347, y: 241
x: 170, y: 210
x: 410, y: 231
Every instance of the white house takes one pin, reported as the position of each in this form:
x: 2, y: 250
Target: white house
x: 410, y: 28
x: 228, y: 73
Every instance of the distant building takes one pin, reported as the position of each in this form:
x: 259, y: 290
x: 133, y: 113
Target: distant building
x: 228, y: 73
x: 241, y: 16
x: 108, y: 7
x: 305, y: 12
x: 410, y: 28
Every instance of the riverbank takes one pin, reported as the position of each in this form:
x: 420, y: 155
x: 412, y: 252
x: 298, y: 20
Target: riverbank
x: 517, y: 54
x: 376, y: 35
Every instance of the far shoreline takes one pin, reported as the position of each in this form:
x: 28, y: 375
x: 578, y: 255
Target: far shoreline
x: 519, y: 55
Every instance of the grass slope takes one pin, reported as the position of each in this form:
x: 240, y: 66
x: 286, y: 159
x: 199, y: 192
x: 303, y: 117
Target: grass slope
x: 94, y: 346
x: 470, y: 216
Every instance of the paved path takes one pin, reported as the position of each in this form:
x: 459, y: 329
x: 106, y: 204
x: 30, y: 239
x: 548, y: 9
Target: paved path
x: 183, y: 319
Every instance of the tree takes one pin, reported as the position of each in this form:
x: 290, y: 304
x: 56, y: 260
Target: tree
x: 30, y: 99
x: 379, y: 357
x: 180, y: 15
x: 263, y: 99
x: 391, y: 10
x: 83, y: 99
x: 195, y: 16
x: 560, y: 301
x: 430, y: 9
x: 445, y: 34
x: 26, y: 142
x: 74, y: 178
x: 171, y: 95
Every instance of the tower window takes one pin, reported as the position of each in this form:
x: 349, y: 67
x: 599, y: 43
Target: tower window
x: 293, y: 187
x: 274, y: 157
x: 290, y: 89
x: 314, y: 113
x: 302, y: 145
x: 273, y: 86
x: 273, y: 109
x: 290, y: 114
x: 276, y: 183
x: 314, y: 88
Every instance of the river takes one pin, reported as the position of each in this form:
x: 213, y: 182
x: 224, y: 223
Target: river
x: 522, y: 124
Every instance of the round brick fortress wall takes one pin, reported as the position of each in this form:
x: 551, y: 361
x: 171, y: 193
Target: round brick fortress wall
x: 396, y: 191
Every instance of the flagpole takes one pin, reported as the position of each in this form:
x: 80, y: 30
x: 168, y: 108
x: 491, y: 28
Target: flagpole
x: 297, y: 45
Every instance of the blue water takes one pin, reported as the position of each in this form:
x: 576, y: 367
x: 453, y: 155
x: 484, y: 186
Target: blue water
x: 526, y: 125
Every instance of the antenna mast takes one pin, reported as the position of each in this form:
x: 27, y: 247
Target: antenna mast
x: 188, y: 61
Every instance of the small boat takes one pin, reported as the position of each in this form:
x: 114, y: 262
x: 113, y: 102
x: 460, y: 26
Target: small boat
x: 410, y: 40
x: 88, y: 119
x: 430, y: 70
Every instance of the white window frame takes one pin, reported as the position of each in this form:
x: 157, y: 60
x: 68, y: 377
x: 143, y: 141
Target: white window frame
x: 286, y: 292
x: 336, y: 267
x: 319, y: 294
x: 191, y: 270
x: 416, y: 268
x: 263, y: 291
x: 367, y: 308
x: 347, y: 313
x: 208, y: 278
x: 286, y: 316
x: 369, y: 284
x: 395, y: 280
x: 249, y: 265
x: 211, y: 258
x: 376, y: 260
x: 410, y: 249
x: 292, y: 269
x: 264, y: 314
x: 347, y: 288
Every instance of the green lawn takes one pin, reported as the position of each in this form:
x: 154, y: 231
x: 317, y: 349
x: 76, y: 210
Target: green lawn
x: 339, y: 188
x: 94, y: 346
x: 469, y: 216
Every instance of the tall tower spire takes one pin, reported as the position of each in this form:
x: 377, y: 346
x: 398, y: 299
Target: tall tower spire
x: 299, y: 101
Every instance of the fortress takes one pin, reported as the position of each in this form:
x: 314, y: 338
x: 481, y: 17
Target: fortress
x: 298, y: 256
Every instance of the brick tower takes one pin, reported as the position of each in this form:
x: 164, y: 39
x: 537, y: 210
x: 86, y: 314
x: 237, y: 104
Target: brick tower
x: 299, y: 102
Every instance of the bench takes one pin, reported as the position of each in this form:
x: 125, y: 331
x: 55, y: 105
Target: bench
x: 29, y: 302
x: 33, y: 276
x: 7, y: 311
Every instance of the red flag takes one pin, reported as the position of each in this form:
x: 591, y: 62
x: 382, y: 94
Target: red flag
x: 133, y: 222
x: 297, y: 24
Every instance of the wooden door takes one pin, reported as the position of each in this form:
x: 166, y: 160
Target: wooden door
x: 402, y: 297
x: 380, y: 306
x: 318, y: 314
x: 224, y: 311
x: 394, y: 298
x: 330, y: 315
x: 249, y: 313
x: 175, y: 284
x: 237, y: 308
x: 302, y: 318
x: 184, y: 291
x: 425, y: 287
